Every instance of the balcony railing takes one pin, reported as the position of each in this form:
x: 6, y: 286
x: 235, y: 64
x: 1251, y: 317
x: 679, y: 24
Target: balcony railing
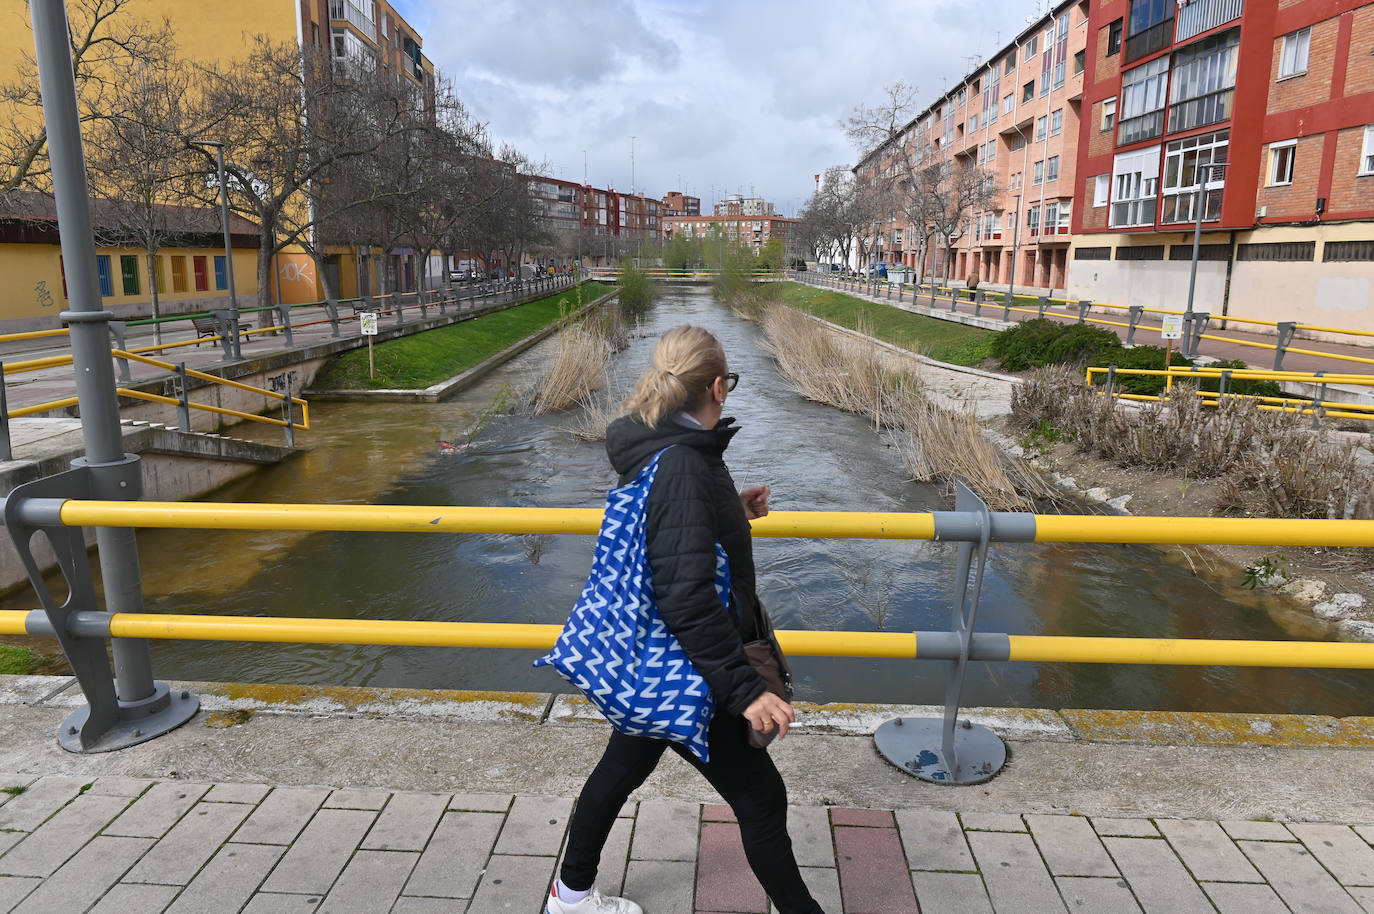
x: 353, y: 14
x: 1197, y: 16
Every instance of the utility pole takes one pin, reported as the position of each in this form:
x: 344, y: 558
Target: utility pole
x: 145, y: 708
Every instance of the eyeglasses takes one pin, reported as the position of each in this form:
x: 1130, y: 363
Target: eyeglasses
x: 731, y: 380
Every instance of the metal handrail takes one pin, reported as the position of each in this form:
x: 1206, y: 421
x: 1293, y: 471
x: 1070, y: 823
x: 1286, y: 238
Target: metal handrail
x: 1281, y: 348
x: 888, y: 645
x: 938, y: 525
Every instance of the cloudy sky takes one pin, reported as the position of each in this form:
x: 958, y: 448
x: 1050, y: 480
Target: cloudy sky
x: 723, y: 96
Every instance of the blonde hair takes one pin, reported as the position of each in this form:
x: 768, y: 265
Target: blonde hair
x: 686, y: 362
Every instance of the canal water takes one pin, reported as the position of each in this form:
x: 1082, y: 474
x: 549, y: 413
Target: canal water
x: 814, y: 457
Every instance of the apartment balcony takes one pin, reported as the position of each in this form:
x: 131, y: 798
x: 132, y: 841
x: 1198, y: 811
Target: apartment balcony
x: 1197, y: 16
x: 991, y: 239
x: 350, y: 12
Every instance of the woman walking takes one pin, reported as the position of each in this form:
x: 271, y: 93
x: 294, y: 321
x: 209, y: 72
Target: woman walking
x: 692, y: 506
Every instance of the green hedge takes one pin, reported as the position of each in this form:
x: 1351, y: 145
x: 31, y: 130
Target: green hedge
x: 1046, y: 342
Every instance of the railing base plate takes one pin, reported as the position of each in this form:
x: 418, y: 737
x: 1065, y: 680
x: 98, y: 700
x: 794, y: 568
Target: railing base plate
x: 140, y: 721
x: 913, y: 745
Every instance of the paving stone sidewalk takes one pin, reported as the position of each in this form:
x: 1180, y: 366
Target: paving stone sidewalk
x: 120, y: 845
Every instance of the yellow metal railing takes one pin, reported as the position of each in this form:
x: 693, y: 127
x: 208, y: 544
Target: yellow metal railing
x: 1329, y: 408
x: 1049, y: 528
x: 886, y: 645
x: 950, y: 294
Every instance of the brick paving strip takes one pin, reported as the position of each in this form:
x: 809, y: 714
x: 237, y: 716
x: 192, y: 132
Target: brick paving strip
x: 137, y: 846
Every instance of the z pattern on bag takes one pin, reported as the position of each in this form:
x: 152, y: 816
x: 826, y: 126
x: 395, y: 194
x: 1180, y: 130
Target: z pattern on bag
x: 616, y: 649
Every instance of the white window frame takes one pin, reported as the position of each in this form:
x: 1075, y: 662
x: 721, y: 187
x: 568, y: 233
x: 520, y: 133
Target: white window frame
x: 1294, y: 52
x: 1008, y: 102
x: 1109, y: 115
x: 1367, y: 152
x: 1101, y: 189
x: 1042, y: 124
x: 1201, y: 153
x: 1056, y: 122
x: 1052, y: 169
x: 1039, y: 174
x: 1135, y: 187
x: 1272, y: 171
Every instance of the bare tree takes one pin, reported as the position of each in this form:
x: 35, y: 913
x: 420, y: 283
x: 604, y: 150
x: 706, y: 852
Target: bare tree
x: 138, y: 164
x: 107, y: 41
x: 289, y: 119
x: 947, y: 193
x: 869, y: 127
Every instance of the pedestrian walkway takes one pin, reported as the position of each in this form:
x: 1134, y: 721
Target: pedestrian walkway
x: 311, y: 327
x: 1147, y: 333
x: 118, y: 845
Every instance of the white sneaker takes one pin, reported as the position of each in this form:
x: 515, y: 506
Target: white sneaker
x: 595, y: 903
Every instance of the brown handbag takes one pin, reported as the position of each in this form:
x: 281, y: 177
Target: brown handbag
x: 766, y: 657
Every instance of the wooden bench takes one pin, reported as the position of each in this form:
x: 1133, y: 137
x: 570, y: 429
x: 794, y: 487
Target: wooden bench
x: 209, y: 326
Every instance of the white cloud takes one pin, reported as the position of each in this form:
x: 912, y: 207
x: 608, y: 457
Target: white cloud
x: 728, y: 93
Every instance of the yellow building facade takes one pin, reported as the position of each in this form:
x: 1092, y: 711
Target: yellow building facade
x: 31, y: 274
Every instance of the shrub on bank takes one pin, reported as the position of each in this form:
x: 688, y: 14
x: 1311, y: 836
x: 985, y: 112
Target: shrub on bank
x: 637, y: 290
x: 1146, y: 357
x: 1042, y: 341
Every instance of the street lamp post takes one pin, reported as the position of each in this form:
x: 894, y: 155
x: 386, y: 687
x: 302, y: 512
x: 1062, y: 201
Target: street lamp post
x: 233, y: 337
x: 1204, y: 176
x: 1015, y: 243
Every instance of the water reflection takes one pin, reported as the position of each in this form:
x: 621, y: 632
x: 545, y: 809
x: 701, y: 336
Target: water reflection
x: 813, y: 457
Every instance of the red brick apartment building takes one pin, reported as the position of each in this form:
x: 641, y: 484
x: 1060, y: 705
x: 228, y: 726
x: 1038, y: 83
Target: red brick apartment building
x: 751, y: 231
x: 610, y: 222
x: 1017, y: 116
x: 676, y: 203
x: 1279, y: 91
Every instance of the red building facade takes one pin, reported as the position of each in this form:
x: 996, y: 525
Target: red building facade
x: 1280, y: 93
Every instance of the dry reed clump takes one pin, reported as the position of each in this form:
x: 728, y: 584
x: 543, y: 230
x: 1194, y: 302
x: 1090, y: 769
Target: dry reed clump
x: 578, y: 368
x: 936, y: 443
x: 1269, y: 462
x: 597, y: 410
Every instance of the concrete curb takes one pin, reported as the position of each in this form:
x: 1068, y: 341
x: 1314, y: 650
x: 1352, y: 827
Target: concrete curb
x: 1069, y: 725
x: 460, y: 382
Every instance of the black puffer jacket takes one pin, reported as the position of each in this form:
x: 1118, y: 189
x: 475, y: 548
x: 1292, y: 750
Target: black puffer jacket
x: 692, y: 505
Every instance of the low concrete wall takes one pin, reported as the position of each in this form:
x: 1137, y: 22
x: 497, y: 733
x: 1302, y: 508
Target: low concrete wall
x: 175, y: 466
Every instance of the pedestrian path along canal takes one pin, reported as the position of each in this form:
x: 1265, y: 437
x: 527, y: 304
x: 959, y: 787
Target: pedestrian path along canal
x: 814, y: 457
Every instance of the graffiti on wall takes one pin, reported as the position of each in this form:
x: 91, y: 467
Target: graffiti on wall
x: 277, y: 382
x: 42, y: 296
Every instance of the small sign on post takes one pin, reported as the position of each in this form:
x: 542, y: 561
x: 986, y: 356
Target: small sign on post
x: 1171, y: 329
x: 367, y: 322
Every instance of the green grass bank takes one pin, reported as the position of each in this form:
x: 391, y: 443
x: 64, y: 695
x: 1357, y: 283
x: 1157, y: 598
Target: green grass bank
x: 17, y: 661
x: 945, y: 341
x: 419, y: 361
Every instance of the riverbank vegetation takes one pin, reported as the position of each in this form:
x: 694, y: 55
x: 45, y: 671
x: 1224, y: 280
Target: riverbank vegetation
x: 17, y: 661
x: 937, y: 444
x: 580, y: 366
x: 1267, y: 463
x: 424, y: 359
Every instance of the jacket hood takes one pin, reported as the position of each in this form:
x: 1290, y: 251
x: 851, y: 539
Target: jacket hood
x: 630, y: 443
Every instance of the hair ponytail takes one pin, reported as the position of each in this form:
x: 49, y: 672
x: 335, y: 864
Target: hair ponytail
x: 686, y: 361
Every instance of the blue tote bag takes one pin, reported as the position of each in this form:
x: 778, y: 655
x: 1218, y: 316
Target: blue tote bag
x: 616, y: 649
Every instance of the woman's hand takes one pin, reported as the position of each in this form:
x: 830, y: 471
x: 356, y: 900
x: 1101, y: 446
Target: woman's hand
x: 767, y: 711
x: 755, y: 501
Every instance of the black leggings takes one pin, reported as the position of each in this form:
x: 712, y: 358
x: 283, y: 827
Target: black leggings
x: 745, y: 777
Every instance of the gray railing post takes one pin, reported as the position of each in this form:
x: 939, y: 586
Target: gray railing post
x: 400, y: 309
x: 1136, y: 312
x: 128, y: 707
x: 1007, y: 301
x: 1111, y: 380
x: 978, y: 303
x: 953, y: 299
x: 1193, y: 329
x: 183, y: 398
x: 1287, y: 329
x: 228, y: 335
x: 950, y: 751
x: 1317, y: 407
x: 331, y: 308
x: 1223, y: 384
x: 1083, y: 305
x: 117, y: 328
x: 1044, y: 303
x: 284, y: 314
x: 6, y: 452
x: 289, y: 414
